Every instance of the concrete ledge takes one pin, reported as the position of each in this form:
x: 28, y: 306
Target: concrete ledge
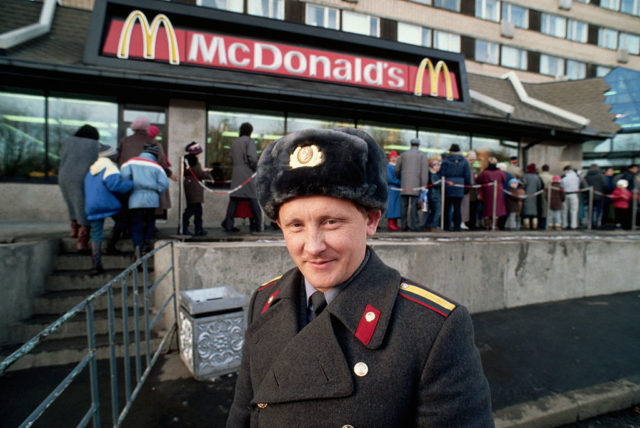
x: 569, y: 407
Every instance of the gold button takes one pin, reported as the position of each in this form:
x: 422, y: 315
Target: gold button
x: 404, y: 285
x: 270, y: 299
x: 361, y: 369
x: 347, y: 426
x: 370, y: 316
x: 262, y: 405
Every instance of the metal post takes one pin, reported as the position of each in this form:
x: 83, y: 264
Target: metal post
x: 634, y: 208
x: 546, y: 226
x: 590, y: 224
x: 93, y: 366
x: 180, y: 181
x: 495, y: 205
x: 113, y: 370
x: 442, y: 191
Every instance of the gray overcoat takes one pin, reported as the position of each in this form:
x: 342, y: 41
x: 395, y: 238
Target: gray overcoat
x: 384, y: 353
x: 244, y: 158
x: 413, y: 170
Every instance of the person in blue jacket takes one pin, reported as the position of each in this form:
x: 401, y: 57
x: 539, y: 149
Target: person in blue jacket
x: 149, y: 182
x: 457, y: 172
x: 101, y: 183
x: 393, y: 205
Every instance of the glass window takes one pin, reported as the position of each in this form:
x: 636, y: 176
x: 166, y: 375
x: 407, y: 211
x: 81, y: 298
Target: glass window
x: 390, y: 137
x: 577, y: 31
x: 607, y: 38
x: 513, y: 58
x: 597, y: 146
x: 320, y: 16
x: 630, y: 6
x: 267, y: 8
x: 630, y: 42
x: 488, y: 9
x: 448, y: 4
x: 554, y: 25
x: 231, y: 5
x: 602, y: 71
x: 576, y: 69
x: 223, y: 127
x: 517, y: 15
x: 610, y: 4
x: 487, y: 146
x: 584, y: 1
x: 22, y: 136
x: 299, y: 123
x: 626, y: 142
x: 361, y: 24
x: 414, y: 34
x: 486, y: 52
x: 427, y: 2
x: 551, y: 65
x: 437, y: 142
x: 446, y: 41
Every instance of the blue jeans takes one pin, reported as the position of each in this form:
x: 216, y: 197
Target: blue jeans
x: 433, y: 219
x: 143, y: 220
x: 97, y: 230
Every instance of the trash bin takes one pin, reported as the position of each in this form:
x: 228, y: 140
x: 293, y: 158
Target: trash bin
x: 212, y: 327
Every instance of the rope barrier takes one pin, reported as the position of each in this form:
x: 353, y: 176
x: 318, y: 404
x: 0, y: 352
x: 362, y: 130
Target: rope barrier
x: 218, y: 192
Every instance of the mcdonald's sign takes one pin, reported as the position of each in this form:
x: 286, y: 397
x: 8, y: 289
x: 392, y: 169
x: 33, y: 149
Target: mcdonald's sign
x: 134, y: 38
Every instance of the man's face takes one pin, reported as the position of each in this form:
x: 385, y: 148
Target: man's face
x: 634, y: 170
x: 326, y: 237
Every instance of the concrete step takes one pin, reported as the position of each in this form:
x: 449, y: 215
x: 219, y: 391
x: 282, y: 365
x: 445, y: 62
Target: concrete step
x: 22, y: 332
x: 64, y: 280
x: 54, y: 352
x: 60, y: 302
x: 68, y: 245
x: 75, y: 261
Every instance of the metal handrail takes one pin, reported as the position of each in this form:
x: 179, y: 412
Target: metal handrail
x: 90, y: 360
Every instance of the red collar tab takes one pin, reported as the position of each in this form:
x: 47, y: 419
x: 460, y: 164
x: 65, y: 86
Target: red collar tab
x: 269, y: 301
x: 368, y: 324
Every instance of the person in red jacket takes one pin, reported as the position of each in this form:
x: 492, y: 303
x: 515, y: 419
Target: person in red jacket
x: 621, y: 198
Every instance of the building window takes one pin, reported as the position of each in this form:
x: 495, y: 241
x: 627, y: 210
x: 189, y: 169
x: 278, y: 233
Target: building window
x: 577, y: 31
x: 631, y: 7
x: 268, y: 8
x: 551, y: 65
x: 517, y: 15
x: 427, y: 2
x: 320, y: 16
x: 513, y: 58
x: 486, y: 52
x: 488, y: 9
x: 630, y: 42
x: 576, y: 70
x: 446, y: 41
x: 389, y: 137
x: 583, y: 1
x: 414, y: 34
x: 607, y: 38
x: 302, y: 122
x: 231, y: 5
x: 448, y: 4
x: 602, y: 71
x: 488, y: 146
x: 361, y: 24
x: 610, y: 4
x: 437, y: 142
x: 554, y: 25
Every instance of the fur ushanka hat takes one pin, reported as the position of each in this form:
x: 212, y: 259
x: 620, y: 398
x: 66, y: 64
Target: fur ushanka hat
x: 344, y: 163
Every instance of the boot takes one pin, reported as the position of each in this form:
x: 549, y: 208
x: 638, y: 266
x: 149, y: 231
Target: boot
x: 534, y: 223
x: 96, y: 258
x: 392, y: 225
x: 487, y: 223
x: 558, y: 227
x: 525, y: 223
x: 82, y: 244
x: 74, y: 229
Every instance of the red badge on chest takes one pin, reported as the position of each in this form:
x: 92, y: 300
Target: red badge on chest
x: 368, y: 324
x: 269, y: 300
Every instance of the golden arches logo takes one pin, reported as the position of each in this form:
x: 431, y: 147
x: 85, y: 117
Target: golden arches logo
x: 149, y: 34
x: 434, y: 75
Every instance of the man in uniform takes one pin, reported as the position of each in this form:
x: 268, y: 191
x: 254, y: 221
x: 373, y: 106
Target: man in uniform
x: 342, y: 339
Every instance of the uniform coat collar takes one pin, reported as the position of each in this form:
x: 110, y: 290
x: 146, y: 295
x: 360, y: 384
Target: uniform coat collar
x: 309, y: 364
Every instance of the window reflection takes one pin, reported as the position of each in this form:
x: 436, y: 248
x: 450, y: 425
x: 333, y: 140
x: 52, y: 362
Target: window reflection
x: 436, y: 142
x: 390, y: 138
x: 299, y: 123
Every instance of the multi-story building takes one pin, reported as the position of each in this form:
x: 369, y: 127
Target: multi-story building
x: 518, y: 78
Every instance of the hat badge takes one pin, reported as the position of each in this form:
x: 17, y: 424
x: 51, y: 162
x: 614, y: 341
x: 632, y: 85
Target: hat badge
x: 306, y: 156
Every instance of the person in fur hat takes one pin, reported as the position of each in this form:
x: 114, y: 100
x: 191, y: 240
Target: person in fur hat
x: 101, y: 185
x: 555, y: 203
x: 342, y: 339
x: 193, y: 191
x: 393, y: 212
x: 621, y: 199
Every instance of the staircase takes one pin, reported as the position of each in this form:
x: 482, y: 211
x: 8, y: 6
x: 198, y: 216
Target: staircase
x: 68, y: 285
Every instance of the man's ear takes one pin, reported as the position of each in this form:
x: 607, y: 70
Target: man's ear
x: 373, y: 218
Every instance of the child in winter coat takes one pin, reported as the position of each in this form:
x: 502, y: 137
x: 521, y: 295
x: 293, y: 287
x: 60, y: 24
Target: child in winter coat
x: 621, y: 198
x: 149, y: 181
x: 515, y: 197
x: 193, y: 191
x: 555, y: 203
x: 101, y: 183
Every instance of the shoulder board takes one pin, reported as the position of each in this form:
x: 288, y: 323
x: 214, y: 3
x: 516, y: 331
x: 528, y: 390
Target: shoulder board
x: 269, y: 283
x: 428, y: 298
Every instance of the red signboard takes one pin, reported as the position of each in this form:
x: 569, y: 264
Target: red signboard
x: 135, y: 37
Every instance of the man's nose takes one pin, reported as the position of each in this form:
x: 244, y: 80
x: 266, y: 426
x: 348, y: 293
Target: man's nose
x: 315, y: 242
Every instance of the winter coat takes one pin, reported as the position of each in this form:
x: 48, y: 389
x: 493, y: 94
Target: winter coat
x: 455, y: 168
x: 393, y: 204
x: 193, y: 191
x: 77, y: 155
x: 488, y: 176
x: 413, y: 169
x: 244, y: 158
x: 596, y: 179
x: 514, y: 200
x: 100, y: 184
x: 435, y: 191
x: 557, y: 196
x: 571, y: 182
x: 532, y: 184
x: 547, y: 179
x: 621, y: 198
x: 383, y: 353
x: 149, y: 180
